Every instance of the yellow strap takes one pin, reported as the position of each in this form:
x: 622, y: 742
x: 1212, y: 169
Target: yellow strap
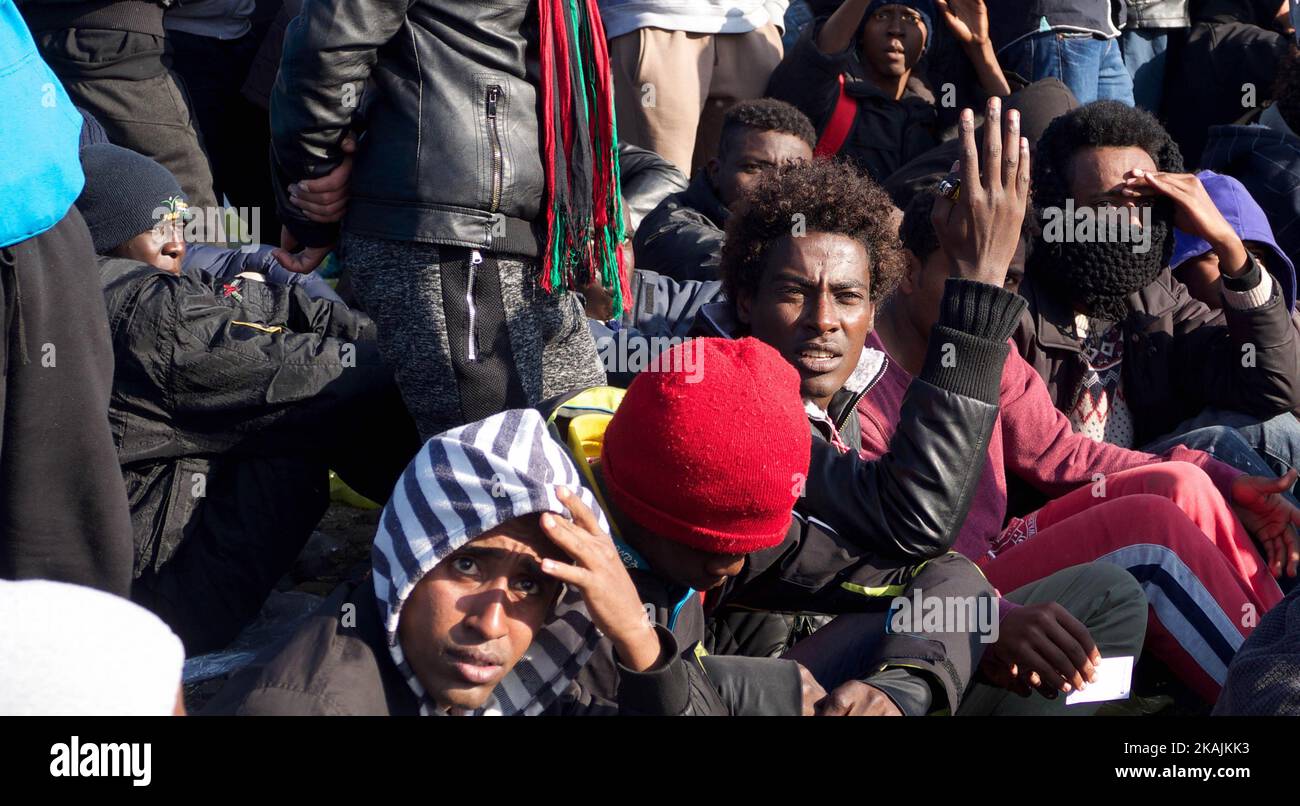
x: 700, y: 653
x: 883, y: 590
x: 597, y: 398
x: 263, y: 328
x: 587, y: 434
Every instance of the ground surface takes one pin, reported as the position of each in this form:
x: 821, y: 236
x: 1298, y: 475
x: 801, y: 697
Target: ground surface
x: 338, y: 551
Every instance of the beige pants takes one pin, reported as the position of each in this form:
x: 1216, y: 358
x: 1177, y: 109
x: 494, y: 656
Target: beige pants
x: 671, y: 88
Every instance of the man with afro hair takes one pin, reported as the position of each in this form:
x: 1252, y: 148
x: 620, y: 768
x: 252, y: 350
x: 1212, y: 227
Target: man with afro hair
x: 1126, y: 352
x: 805, y: 265
x: 682, y: 237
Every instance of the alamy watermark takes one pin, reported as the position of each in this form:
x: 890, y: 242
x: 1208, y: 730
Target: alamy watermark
x: 77, y: 759
x: 1098, y: 225
x: 922, y: 614
x: 234, y: 226
x: 623, y: 353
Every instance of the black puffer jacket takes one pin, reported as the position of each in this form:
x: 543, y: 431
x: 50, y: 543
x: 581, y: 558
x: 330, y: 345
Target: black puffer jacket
x: 1227, y: 70
x: 646, y: 179
x: 682, y: 238
x: 452, y: 152
x: 1266, y: 159
x: 210, y: 376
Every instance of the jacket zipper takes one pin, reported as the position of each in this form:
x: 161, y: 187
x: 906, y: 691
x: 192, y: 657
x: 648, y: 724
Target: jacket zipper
x: 471, y: 346
x: 493, y: 93
x: 857, y: 396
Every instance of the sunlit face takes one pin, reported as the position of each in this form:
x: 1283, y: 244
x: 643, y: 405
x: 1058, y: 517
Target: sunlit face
x: 162, y: 247
x: 469, y: 620
x: 1096, y: 178
x: 813, y: 304
x: 892, y: 40
x: 746, y: 155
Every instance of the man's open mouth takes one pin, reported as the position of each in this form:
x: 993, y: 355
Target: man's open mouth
x: 817, y: 359
x: 475, y: 667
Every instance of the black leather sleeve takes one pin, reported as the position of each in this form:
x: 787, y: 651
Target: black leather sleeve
x: 329, y: 52
x: 679, y: 686
x: 912, y: 501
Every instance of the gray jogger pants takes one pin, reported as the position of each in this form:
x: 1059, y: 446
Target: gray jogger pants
x: 468, y: 332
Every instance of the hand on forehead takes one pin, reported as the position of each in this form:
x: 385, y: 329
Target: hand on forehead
x: 1097, y: 174
x: 517, y: 540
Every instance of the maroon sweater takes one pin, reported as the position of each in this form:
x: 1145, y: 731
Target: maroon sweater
x: 1031, y: 440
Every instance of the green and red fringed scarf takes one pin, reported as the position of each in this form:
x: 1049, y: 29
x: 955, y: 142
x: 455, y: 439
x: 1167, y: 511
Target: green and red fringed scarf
x: 584, y: 205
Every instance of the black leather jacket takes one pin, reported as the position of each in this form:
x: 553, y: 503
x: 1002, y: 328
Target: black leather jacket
x: 451, y: 151
x: 682, y: 237
x: 910, y: 504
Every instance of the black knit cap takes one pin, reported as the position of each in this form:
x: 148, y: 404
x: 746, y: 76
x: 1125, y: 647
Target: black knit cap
x: 123, y: 195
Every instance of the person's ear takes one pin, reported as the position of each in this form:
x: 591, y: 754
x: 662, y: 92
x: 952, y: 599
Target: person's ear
x: 912, y: 277
x: 744, y: 302
x: 711, y: 168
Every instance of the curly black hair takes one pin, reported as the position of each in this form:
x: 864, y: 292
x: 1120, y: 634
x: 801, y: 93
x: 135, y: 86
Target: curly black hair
x: 766, y: 115
x: 825, y: 196
x: 917, y: 230
x: 1100, y: 124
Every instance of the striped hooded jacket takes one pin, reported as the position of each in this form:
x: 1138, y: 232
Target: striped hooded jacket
x: 348, y: 658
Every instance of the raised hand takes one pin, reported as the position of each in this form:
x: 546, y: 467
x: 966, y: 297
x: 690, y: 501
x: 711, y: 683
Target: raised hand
x: 967, y: 19
x: 1194, y: 213
x: 981, y: 229
x: 598, y: 574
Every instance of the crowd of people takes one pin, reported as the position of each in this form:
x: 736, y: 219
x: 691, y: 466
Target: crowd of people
x: 743, y: 357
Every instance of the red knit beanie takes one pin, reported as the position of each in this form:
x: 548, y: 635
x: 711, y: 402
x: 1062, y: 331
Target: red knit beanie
x: 712, y: 449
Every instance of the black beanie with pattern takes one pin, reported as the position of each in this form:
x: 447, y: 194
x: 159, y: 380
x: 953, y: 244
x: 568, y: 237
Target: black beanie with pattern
x: 125, y: 194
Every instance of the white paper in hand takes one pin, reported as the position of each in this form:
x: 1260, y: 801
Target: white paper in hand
x: 1114, y: 680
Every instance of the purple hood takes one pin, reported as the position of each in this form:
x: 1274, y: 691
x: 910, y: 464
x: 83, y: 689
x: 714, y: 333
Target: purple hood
x: 1248, y: 220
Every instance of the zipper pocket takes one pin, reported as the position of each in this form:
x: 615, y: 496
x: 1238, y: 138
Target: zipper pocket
x: 493, y: 93
x: 471, y: 344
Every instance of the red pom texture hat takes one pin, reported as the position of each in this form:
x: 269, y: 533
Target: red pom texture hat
x: 712, y: 450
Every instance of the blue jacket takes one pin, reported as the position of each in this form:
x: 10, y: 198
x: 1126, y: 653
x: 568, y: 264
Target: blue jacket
x: 38, y: 137
x: 227, y: 264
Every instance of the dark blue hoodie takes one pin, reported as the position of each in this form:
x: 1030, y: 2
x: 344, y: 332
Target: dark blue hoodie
x: 1266, y: 160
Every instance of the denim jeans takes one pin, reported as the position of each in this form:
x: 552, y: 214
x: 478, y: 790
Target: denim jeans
x: 1258, y: 447
x: 1271, y: 447
x: 1091, y: 67
x: 797, y: 16
x: 1144, y: 53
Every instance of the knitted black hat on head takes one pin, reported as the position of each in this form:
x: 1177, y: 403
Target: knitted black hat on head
x: 124, y: 194
x: 1099, y: 276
